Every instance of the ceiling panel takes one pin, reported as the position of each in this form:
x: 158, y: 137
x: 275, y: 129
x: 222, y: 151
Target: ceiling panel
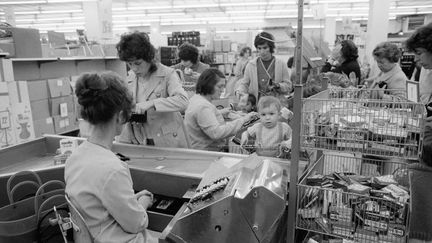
x: 58, y: 14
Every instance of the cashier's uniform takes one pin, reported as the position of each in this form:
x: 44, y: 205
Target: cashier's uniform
x: 100, y: 185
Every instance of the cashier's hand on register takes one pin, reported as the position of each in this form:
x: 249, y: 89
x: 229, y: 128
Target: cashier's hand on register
x: 145, y: 198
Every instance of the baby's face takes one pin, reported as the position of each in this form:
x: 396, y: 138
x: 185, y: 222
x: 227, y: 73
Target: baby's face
x: 269, y: 116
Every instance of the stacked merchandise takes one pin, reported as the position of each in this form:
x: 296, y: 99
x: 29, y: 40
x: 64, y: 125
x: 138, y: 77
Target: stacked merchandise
x: 168, y: 55
x: 179, y: 38
x: 349, y: 121
x: 356, y: 197
x: 407, y: 63
x: 357, y: 207
x: 29, y: 109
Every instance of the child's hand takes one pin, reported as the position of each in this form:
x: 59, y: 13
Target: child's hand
x: 286, y: 145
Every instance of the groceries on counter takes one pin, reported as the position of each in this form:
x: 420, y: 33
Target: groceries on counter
x: 358, y: 207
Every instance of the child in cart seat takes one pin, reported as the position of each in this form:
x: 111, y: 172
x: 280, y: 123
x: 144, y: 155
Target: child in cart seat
x: 270, y: 134
x: 250, y: 105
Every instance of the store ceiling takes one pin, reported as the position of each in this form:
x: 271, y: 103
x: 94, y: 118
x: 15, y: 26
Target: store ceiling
x: 68, y: 15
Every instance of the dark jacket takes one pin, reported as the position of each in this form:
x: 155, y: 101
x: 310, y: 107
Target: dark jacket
x: 346, y: 67
x: 421, y: 192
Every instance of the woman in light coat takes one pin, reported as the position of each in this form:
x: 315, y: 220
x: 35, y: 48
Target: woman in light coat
x: 390, y: 85
x: 266, y: 74
x: 157, y: 92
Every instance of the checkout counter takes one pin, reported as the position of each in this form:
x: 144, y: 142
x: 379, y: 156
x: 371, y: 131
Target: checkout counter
x: 200, y: 196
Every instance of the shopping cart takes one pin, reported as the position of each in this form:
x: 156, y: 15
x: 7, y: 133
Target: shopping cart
x: 355, y: 197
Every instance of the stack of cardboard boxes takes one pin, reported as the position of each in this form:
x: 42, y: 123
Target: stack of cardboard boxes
x: 29, y: 109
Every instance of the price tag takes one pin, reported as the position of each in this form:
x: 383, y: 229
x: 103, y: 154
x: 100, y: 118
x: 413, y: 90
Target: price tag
x: 4, y: 120
x: 63, y: 110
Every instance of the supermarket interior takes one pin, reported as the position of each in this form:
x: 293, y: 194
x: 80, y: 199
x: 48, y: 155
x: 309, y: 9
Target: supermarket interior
x: 298, y: 121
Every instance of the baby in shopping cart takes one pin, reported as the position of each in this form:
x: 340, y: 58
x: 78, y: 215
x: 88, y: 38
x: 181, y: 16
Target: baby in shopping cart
x: 270, y: 134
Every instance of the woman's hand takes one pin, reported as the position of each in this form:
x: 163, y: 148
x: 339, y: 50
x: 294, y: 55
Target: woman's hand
x: 251, y: 115
x: 142, y: 107
x: 225, y: 111
x: 145, y: 198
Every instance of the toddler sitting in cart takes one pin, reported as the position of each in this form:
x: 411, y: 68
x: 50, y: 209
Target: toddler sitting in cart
x: 271, y: 135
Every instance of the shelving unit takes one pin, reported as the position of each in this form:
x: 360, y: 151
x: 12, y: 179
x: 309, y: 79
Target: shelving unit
x: 37, y: 70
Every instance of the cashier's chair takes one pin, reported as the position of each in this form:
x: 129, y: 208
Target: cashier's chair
x: 82, y: 234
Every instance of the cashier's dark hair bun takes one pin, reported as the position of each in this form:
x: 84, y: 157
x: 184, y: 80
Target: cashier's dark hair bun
x: 101, y: 96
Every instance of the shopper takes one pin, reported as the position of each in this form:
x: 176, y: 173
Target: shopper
x: 266, y: 74
x: 239, y: 69
x: 344, y: 60
x: 98, y: 183
x: 270, y: 134
x: 390, y: 84
x: 204, y: 122
x: 190, y: 65
x: 420, y: 43
x: 157, y: 93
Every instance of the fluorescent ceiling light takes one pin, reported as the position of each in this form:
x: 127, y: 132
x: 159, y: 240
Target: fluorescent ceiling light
x: 26, y: 12
x: 48, y: 19
x: 412, y: 6
x: 183, y: 23
x: 52, y: 24
x: 245, y: 11
x: 62, y: 11
x: 69, y: 1
x: 165, y: 14
x: 21, y: 2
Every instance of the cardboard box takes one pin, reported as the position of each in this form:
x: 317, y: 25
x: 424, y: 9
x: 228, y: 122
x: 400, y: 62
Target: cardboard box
x: 22, y: 122
x: 44, y: 126
x: 217, y: 45
x: 62, y: 106
x: 219, y: 58
x: 65, y: 124
x: 226, y: 45
x: 18, y: 92
x: 27, y: 42
x: 40, y: 109
x: 59, y: 87
x: 6, y: 132
x: 39, y: 90
x: 21, y: 119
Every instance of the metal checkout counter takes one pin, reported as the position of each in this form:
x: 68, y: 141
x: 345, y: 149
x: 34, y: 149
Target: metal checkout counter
x: 200, y: 196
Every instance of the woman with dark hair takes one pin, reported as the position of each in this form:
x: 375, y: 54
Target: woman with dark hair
x: 344, y: 60
x: 390, y: 84
x: 205, y: 124
x: 98, y: 183
x: 190, y: 65
x: 157, y: 93
x: 420, y: 42
x: 266, y: 74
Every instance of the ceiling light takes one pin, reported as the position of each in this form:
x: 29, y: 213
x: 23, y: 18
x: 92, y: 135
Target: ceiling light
x: 412, y: 6
x: 183, y: 23
x: 69, y: 1
x: 26, y: 12
x: 62, y: 11
x: 245, y: 11
x: 21, y: 2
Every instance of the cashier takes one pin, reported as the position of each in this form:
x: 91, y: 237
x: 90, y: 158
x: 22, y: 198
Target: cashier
x: 204, y: 123
x: 190, y: 65
x: 98, y: 183
x: 157, y: 94
x: 390, y: 84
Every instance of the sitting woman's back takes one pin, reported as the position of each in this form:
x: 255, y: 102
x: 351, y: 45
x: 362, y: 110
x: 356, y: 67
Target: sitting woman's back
x: 98, y: 183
